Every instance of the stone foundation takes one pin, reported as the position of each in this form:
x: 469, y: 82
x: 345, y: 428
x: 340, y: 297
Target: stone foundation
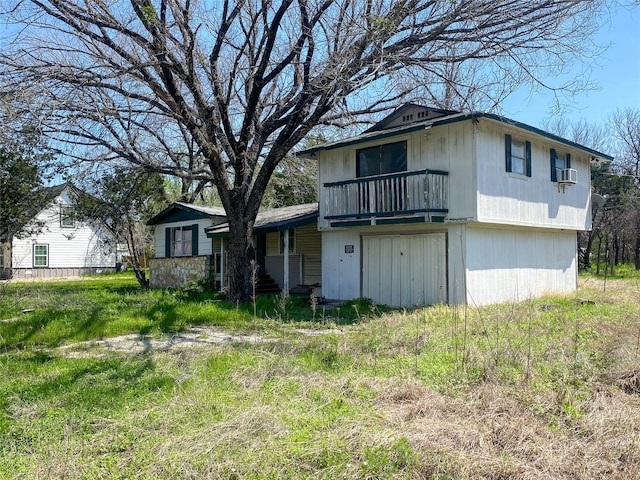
x: 176, y: 271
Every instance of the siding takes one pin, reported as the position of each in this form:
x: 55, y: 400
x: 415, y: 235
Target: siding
x: 308, y: 245
x: 505, y: 198
x: 87, y: 245
x: 204, y: 243
x: 506, y: 265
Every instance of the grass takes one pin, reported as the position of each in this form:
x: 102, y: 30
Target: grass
x: 530, y: 390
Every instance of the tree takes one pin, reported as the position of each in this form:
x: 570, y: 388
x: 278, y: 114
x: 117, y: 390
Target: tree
x: 125, y: 199
x: 23, y: 170
x: 140, y: 81
x: 626, y: 127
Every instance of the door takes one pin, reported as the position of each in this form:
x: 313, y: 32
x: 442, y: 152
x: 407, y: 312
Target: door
x: 404, y: 270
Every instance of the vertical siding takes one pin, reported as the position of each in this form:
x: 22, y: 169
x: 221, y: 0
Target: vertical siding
x: 514, y: 265
x: 404, y: 270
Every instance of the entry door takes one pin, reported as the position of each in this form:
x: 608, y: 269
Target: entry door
x: 404, y: 270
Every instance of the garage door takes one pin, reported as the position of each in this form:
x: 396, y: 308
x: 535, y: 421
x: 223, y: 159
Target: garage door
x: 404, y: 270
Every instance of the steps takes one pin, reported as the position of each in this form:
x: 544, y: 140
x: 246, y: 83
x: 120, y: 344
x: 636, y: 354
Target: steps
x: 266, y: 285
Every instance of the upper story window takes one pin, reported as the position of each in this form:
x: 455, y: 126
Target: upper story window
x: 67, y: 217
x: 381, y: 159
x: 517, y: 156
x: 181, y: 243
x: 559, y: 161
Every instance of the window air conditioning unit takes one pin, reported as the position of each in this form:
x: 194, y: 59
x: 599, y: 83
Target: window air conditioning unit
x: 567, y: 176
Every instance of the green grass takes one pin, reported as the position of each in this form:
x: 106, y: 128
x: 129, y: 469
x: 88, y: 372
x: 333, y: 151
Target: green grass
x: 528, y: 390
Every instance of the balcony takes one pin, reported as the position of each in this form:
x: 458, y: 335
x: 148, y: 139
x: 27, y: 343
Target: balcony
x: 414, y: 196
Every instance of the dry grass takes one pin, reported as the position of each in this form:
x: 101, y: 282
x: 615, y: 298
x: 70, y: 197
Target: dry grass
x: 546, y: 389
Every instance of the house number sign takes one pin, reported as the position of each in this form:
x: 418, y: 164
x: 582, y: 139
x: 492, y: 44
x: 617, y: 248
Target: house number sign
x: 348, y: 249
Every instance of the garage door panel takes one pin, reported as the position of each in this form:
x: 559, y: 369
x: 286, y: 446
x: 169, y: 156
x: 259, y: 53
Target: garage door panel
x: 404, y: 270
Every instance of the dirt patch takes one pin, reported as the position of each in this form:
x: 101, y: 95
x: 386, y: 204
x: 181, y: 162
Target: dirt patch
x: 200, y: 337
x: 136, y: 344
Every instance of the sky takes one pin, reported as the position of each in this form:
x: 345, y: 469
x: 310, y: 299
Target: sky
x: 617, y: 74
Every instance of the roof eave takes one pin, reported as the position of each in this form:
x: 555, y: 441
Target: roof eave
x: 311, y: 152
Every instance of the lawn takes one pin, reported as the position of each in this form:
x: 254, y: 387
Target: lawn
x: 540, y: 389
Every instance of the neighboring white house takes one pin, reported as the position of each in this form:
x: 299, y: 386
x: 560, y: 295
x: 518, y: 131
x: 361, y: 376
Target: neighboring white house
x: 434, y: 206
x: 63, y: 246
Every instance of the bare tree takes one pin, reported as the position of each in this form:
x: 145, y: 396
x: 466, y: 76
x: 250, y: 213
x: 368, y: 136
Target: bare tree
x: 138, y: 81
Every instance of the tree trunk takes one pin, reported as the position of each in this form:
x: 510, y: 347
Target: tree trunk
x: 132, y: 246
x: 587, y: 250
x: 241, y: 252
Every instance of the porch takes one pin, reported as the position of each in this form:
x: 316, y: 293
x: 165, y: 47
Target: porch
x: 421, y: 195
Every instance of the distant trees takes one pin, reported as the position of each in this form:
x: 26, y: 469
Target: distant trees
x: 124, y: 199
x: 24, y: 163
x: 221, y: 91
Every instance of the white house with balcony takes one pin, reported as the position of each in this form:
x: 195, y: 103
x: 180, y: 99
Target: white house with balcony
x: 436, y: 206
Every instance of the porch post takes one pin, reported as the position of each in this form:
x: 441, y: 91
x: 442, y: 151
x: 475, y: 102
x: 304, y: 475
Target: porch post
x: 222, y: 265
x: 286, y: 262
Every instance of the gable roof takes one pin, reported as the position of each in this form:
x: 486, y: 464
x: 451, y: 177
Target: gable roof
x: 381, y: 132
x: 179, y: 211
x: 274, y: 220
x: 431, y: 113
x: 41, y: 198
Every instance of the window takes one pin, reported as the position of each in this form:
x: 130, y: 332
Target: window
x: 181, y: 244
x: 1, y: 255
x: 181, y: 241
x: 381, y: 159
x: 558, y: 162
x: 67, y: 217
x: 517, y: 156
x: 41, y: 255
x: 292, y: 241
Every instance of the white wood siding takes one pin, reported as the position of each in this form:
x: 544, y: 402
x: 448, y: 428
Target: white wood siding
x: 404, y: 270
x: 506, y: 265
x: 204, y: 243
x: 505, y: 198
x: 87, y: 245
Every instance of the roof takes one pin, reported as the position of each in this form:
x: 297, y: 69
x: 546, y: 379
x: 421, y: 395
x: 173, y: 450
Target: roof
x: 378, y: 131
x: 274, y: 220
x: 179, y: 211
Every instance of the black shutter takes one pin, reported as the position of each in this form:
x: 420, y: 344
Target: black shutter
x: 568, y: 157
x: 528, y: 158
x: 553, y: 155
x: 167, y: 242
x: 194, y: 239
x: 507, y: 151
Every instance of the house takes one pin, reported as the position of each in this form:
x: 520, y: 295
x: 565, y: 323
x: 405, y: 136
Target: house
x: 61, y: 245
x: 288, y: 248
x: 436, y: 206
x: 182, y: 251
x: 190, y: 243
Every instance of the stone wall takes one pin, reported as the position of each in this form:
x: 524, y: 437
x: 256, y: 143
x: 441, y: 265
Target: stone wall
x: 177, y: 271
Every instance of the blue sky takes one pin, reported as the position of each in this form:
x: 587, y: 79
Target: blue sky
x: 617, y: 74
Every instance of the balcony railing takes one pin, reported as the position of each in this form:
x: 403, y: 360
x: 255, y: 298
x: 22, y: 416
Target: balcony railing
x: 397, y: 194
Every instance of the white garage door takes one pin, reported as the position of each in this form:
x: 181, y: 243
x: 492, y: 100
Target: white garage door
x: 404, y: 270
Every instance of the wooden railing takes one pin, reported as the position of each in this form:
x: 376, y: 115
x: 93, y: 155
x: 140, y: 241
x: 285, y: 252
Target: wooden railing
x: 396, y: 194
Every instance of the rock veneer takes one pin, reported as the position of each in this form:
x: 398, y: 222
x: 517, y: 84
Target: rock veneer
x: 174, y: 272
